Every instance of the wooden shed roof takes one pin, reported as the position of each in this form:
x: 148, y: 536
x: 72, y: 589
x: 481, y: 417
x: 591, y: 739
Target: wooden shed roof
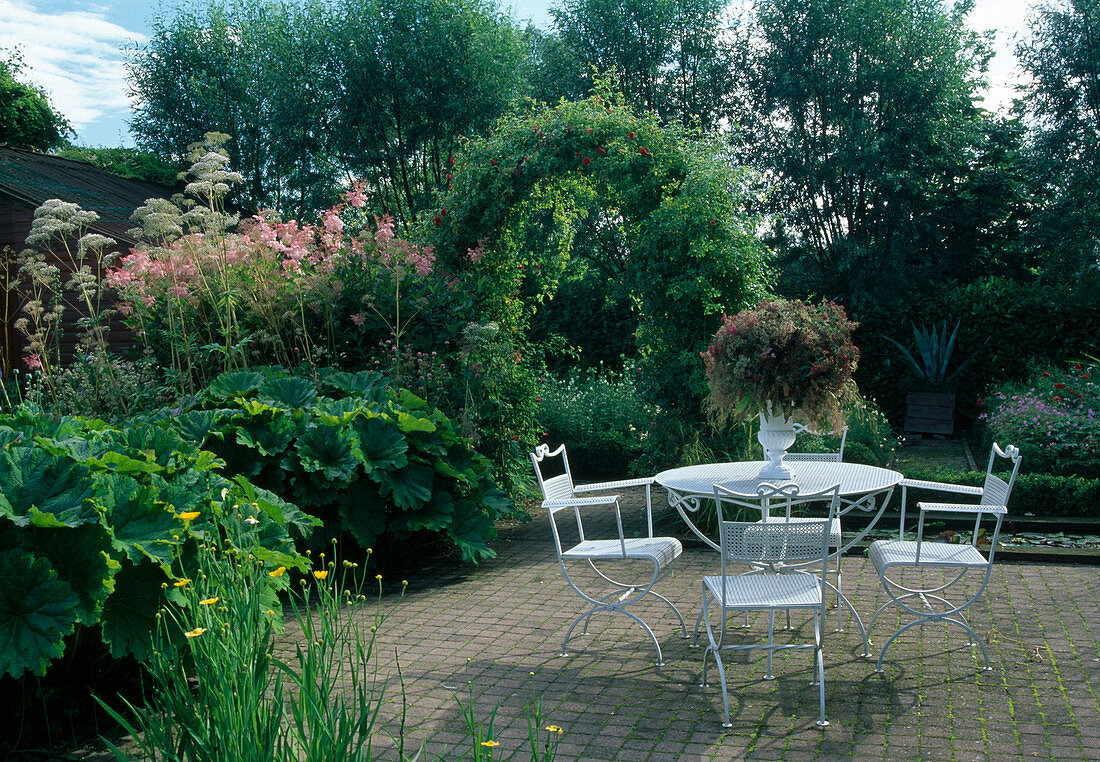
x: 35, y: 177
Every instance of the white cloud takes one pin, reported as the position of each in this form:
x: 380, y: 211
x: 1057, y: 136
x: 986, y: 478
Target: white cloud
x: 75, y: 56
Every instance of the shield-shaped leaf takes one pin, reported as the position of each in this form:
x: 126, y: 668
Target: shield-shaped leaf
x: 269, y: 437
x: 365, y: 383
x: 31, y: 477
x: 141, y: 524
x: 234, y: 384
x: 128, y: 621
x: 410, y: 423
x: 338, y: 412
x: 330, y: 450
x: 471, y: 530
x: 288, y: 392
x: 80, y: 557
x: 408, y: 487
x: 198, y: 426
x: 382, y: 445
x: 37, y: 612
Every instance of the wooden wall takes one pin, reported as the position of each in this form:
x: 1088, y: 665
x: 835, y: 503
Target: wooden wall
x: 15, y: 224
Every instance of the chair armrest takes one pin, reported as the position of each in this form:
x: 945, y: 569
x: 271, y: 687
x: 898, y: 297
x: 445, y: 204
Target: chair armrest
x: 642, y: 482
x: 997, y: 510
x: 579, y: 501
x: 962, y: 489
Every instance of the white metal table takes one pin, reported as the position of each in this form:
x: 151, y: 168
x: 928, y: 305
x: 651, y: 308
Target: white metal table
x: 862, y: 487
x: 867, y: 488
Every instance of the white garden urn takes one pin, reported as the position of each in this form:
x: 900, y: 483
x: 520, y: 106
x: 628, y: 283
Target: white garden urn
x: 776, y: 437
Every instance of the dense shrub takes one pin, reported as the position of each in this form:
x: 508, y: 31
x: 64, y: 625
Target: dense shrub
x: 1009, y: 323
x: 368, y: 459
x: 599, y: 415
x: 1033, y: 494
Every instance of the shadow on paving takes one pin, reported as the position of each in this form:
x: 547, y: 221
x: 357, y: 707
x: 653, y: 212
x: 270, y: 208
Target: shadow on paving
x: 492, y: 635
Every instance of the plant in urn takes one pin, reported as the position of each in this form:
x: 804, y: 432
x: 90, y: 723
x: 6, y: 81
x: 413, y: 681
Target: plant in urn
x: 788, y: 362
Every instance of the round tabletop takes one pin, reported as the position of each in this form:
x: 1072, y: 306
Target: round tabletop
x: 810, y: 476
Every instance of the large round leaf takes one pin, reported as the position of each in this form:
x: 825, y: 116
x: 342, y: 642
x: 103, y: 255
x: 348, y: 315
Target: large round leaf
x: 290, y: 392
x: 234, y: 384
x: 365, y: 383
x: 408, y: 487
x: 44, y: 489
x: 330, y: 450
x: 382, y: 445
x: 82, y: 560
x: 129, y: 614
x: 142, y: 525
x: 37, y: 612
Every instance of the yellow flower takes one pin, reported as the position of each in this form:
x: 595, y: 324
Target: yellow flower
x: 209, y: 601
x: 490, y: 744
x: 181, y: 582
x: 378, y: 577
x: 278, y: 572
x: 195, y: 632
x: 189, y: 515
x: 320, y: 574
x: 554, y: 729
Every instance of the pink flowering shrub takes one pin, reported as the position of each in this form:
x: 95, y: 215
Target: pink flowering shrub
x: 208, y: 295
x: 1052, y: 418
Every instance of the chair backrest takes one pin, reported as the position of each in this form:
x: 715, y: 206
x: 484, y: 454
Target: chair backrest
x: 996, y: 490
x: 776, y: 544
x: 555, y: 486
x: 820, y: 457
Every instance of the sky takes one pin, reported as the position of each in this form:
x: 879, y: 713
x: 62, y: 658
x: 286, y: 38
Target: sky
x: 76, y: 51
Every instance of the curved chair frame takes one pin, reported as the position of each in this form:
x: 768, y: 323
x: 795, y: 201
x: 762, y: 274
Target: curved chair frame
x: 928, y: 604
x: 560, y: 494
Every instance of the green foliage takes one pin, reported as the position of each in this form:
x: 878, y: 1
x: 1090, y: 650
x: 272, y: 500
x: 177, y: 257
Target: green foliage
x: 686, y: 249
x: 1061, y: 57
x: 862, y: 113
x: 91, y: 520
x: 601, y: 417
x: 1010, y: 322
x: 27, y: 118
x: 667, y: 56
x: 214, y: 648
x: 870, y: 438
x: 1034, y: 494
x: 318, y: 92
x: 375, y: 462
x: 131, y: 163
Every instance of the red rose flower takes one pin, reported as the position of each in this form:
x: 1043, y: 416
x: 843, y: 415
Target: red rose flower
x: 452, y: 161
x: 437, y: 221
x: 1059, y: 386
x: 630, y: 136
x: 586, y: 160
x: 645, y: 152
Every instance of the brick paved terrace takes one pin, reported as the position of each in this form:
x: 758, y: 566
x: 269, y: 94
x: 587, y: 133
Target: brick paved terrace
x: 496, y: 630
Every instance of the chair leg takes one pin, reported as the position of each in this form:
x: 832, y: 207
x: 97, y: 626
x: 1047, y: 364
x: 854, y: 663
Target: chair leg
x: 771, y: 632
x: 819, y: 657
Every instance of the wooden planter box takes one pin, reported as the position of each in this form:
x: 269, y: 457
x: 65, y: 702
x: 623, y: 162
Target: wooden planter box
x: 930, y: 413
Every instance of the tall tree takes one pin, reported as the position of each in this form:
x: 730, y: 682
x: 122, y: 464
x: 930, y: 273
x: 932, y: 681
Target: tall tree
x: 861, y: 113
x: 316, y: 95
x: 27, y: 119
x: 1062, y: 56
x: 665, y: 55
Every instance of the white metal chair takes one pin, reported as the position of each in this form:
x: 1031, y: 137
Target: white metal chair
x: 559, y: 493
x: 926, y: 602
x: 787, y: 562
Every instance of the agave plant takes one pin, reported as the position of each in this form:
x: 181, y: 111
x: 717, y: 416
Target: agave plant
x: 935, y: 349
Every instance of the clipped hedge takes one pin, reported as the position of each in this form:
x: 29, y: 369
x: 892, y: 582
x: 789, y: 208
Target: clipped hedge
x: 1036, y: 494
x: 92, y: 519
x: 368, y: 459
